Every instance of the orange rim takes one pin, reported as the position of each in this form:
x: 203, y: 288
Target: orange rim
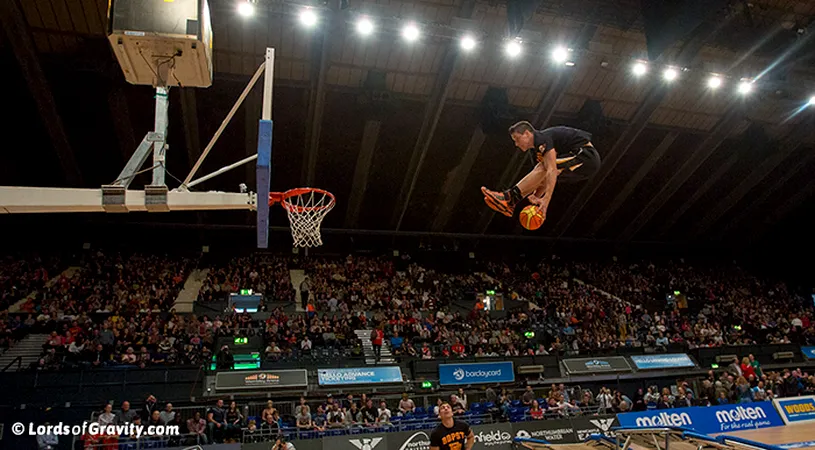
x: 283, y: 199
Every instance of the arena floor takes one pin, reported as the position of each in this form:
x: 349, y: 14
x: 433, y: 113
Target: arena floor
x: 800, y: 436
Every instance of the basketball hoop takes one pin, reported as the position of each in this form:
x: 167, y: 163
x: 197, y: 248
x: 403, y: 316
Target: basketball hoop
x: 306, y: 208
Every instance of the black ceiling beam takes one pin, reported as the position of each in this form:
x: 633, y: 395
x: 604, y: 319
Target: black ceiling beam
x: 26, y: 53
x: 656, y: 93
x: 316, y: 103
x: 759, y: 200
x: 189, y: 116
x: 452, y: 192
x: 698, y: 193
x: 366, y: 155
x: 634, y: 181
x: 120, y: 114
x: 783, y: 210
x: 432, y: 112
x: 790, y: 145
x: 542, y: 116
x: 679, y: 177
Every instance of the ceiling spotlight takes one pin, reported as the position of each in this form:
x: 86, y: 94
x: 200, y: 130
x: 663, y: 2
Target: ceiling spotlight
x: 670, y: 74
x: 639, y: 68
x: 246, y: 9
x: 410, y: 32
x: 308, y: 17
x: 513, y: 48
x: 365, y: 26
x: 560, y: 54
x: 714, y: 82
x: 745, y: 87
x: 467, y: 43
x: 570, y: 63
x: 811, y: 101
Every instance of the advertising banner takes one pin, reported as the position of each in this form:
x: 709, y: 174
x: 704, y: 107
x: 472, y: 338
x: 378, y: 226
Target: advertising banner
x: 710, y: 419
x: 365, y: 375
x: 409, y: 440
x: 588, y: 366
x: 796, y: 410
x: 495, y: 436
x: 356, y: 442
x: 260, y: 379
x: 476, y: 373
x: 809, y: 352
x: 585, y: 426
x: 554, y: 431
x: 667, y: 361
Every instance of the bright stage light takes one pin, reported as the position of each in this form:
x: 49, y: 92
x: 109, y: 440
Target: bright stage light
x: 560, y: 54
x: 811, y: 101
x: 467, y: 43
x: 308, y: 17
x: 745, y: 87
x: 639, y: 68
x: 246, y: 9
x: 670, y: 74
x: 365, y: 26
x: 513, y: 48
x: 410, y: 32
x: 714, y: 82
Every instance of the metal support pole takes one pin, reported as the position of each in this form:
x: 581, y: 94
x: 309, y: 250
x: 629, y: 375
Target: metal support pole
x: 268, y: 81
x: 160, y: 146
x: 264, y: 164
x: 222, y: 170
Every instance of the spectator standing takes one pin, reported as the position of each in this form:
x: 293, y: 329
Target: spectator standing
x: 305, y: 286
x: 377, y: 336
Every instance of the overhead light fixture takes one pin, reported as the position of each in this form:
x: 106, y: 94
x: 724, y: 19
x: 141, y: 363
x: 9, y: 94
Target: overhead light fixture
x: 745, y: 87
x: 308, y: 17
x: 670, y: 74
x: 714, y: 82
x: 639, y: 68
x: 811, y: 101
x: 513, y: 48
x: 560, y: 54
x: 365, y: 26
x: 410, y: 32
x: 570, y: 63
x: 246, y: 9
x: 467, y: 43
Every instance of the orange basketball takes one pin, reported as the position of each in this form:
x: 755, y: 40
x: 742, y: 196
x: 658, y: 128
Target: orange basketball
x: 531, y: 218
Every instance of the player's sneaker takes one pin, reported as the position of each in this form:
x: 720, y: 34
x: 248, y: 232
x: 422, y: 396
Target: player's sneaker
x: 501, y: 202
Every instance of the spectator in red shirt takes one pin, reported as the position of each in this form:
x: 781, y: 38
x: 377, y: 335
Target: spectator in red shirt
x: 458, y: 349
x: 747, y: 368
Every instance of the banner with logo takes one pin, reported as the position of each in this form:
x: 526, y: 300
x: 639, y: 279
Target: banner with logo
x: 554, y: 431
x: 260, y: 379
x: 796, y: 410
x: 366, y: 375
x: 495, y: 436
x: 710, y: 419
x: 585, y: 426
x: 809, y: 352
x: 477, y: 373
x: 409, y: 440
x: 667, y: 361
x: 587, y: 366
x: 355, y: 442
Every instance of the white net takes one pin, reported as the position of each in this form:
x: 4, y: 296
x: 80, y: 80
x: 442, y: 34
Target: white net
x: 306, y: 209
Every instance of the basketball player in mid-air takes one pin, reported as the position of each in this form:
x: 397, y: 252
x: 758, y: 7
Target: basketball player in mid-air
x: 561, y: 152
x: 451, y: 434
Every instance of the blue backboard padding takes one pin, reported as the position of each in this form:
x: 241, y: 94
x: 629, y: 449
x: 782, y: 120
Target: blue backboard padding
x: 264, y: 178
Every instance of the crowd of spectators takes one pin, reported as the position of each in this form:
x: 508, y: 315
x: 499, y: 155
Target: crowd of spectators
x: 267, y: 274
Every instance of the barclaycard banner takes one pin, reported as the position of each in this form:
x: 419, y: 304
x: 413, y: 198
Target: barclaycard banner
x: 707, y: 419
x: 796, y: 410
x: 588, y: 366
x: 476, y: 373
x: 362, y: 375
x: 495, y: 436
x: 260, y: 379
x: 667, y: 361
x: 809, y: 352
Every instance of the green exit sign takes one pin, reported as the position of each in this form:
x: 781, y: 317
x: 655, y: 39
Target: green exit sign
x: 241, y: 341
x: 427, y: 384
x: 490, y: 292
x: 246, y: 292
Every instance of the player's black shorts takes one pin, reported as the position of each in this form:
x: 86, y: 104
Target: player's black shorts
x: 581, y: 165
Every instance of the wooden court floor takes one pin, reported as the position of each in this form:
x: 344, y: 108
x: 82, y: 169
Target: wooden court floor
x: 781, y: 435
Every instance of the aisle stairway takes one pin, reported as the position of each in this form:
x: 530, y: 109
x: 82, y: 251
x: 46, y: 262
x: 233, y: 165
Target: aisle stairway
x: 185, y: 302
x: 29, y: 349
x: 67, y: 273
x: 297, y: 276
x: 385, y: 358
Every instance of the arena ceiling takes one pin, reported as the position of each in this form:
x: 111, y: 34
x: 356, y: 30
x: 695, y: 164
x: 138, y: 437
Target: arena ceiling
x: 405, y: 134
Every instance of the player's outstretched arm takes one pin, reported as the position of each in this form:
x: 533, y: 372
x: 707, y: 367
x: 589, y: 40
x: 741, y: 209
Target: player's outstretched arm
x: 470, y: 441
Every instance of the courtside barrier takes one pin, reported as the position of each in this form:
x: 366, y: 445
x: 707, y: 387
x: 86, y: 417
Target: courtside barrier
x: 796, y: 410
x: 707, y: 419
